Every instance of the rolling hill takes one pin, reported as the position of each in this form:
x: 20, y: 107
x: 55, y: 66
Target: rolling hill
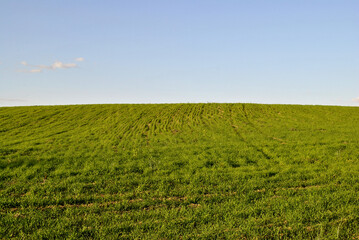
x: 165, y: 171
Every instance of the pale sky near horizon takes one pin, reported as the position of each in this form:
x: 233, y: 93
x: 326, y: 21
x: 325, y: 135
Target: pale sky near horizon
x: 251, y: 51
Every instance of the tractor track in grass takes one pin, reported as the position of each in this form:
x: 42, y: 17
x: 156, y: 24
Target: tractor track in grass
x: 155, y: 201
x: 191, y: 201
x: 247, y: 122
x: 236, y: 128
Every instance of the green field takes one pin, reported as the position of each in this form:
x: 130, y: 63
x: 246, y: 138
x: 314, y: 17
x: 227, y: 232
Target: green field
x: 179, y: 171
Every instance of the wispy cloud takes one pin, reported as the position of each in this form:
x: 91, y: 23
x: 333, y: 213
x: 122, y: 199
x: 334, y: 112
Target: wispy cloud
x: 356, y: 99
x: 79, y: 59
x: 36, y: 70
x: 11, y: 100
x: 58, y: 64
x: 55, y: 65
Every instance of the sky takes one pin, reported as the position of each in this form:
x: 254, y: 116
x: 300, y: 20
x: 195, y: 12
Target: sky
x: 187, y: 51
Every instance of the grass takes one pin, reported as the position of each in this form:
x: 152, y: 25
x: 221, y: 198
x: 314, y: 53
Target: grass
x: 165, y: 171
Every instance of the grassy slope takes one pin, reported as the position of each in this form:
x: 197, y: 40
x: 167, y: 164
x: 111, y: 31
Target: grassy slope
x: 171, y: 170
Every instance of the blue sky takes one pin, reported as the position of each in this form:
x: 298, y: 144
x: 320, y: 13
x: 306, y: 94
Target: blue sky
x: 258, y: 51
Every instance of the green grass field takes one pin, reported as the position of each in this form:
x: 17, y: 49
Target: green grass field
x: 179, y: 171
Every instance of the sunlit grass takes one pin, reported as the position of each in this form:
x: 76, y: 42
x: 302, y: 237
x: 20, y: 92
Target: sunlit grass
x: 179, y: 170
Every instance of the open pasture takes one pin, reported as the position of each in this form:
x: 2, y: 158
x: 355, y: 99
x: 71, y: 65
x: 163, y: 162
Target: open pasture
x: 169, y: 171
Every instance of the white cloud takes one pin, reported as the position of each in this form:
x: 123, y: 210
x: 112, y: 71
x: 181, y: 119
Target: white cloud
x: 37, y: 66
x: 36, y: 70
x: 356, y: 99
x: 79, y: 59
x: 11, y: 100
x: 58, y: 64
x: 55, y: 65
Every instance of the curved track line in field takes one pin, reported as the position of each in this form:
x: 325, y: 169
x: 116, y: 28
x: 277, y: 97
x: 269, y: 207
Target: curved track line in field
x: 241, y: 137
x: 190, y: 200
